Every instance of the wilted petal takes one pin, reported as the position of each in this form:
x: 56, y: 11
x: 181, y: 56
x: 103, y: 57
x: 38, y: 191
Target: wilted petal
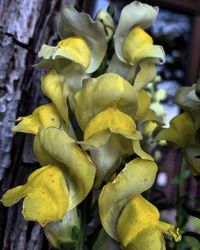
x: 43, y: 116
x: 137, y: 177
x: 181, y: 130
x: 53, y: 87
x: 77, y: 166
x: 97, y: 94
x: 71, y: 22
x: 132, y: 15
x: 45, y: 193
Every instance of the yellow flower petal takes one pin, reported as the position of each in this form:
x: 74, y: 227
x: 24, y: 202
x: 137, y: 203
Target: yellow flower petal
x: 144, y: 102
x: 135, y: 14
x: 71, y: 22
x: 148, y: 239
x: 139, y: 226
x: 180, y: 132
x: 97, y: 94
x: 109, y: 137
x: 137, y: 177
x: 146, y: 74
x: 135, y: 43
x: 140, y: 152
x: 41, y: 155
x: 75, y: 49
x: 114, y: 121
x: 78, y: 168
x: 53, y: 87
x: 46, y: 195
x: 43, y: 116
x: 137, y: 215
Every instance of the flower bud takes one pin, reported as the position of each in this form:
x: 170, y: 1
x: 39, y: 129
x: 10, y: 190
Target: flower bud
x: 65, y: 233
x: 106, y: 19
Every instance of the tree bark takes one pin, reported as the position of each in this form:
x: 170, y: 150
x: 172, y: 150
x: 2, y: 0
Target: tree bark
x: 24, y: 26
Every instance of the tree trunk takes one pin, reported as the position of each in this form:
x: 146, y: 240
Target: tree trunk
x: 24, y: 26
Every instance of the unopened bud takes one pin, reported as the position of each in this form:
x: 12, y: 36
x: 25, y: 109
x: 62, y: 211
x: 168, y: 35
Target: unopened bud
x: 64, y: 234
x: 106, y: 19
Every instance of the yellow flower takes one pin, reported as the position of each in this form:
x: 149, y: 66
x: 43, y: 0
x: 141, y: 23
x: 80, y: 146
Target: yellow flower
x: 134, y: 47
x: 144, y: 113
x: 61, y: 185
x: 43, y: 116
x: 82, y: 47
x: 71, y: 22
x: 46, y: 195
x: 181, y: 130
x: 183, y: 133
x: 110, y: 135
x: 106, y: 91
x: 139, y: 226
x: 73, y: 49
x: 137, y: 177
x: 56, y: 147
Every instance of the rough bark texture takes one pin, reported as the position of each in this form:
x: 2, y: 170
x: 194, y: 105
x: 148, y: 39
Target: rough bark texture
x: 24, y: 26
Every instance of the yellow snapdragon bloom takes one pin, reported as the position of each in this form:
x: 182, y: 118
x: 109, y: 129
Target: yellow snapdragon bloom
x: 139, y: 226
x: 181, y: 130
x: 134, y: 48
x: 106, y: 91
x: 46, y: 196
x: 109, y: 136
x: 137, y: 177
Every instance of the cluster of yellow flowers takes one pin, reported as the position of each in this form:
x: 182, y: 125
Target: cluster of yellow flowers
x: 107, y: 109
x: 184, y: 128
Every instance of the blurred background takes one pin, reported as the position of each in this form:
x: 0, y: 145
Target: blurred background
x: 27, y: 24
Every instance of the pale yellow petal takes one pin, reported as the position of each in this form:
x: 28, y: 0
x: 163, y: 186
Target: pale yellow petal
x: 144, y: 102
x: 146, y: 74
x: 76, y: 164
x: 137, y: 177
x: 43, y: 116
x: 98, y: 94
x: 75, y: 49
x: 71, y: 22
x: 140, y: 152
x: 180, y: 132
x: 53, y: 87
x: 113, y: 120
x: 135, y: 14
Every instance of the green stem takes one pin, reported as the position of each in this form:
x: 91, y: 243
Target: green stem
x: 80, y: 246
